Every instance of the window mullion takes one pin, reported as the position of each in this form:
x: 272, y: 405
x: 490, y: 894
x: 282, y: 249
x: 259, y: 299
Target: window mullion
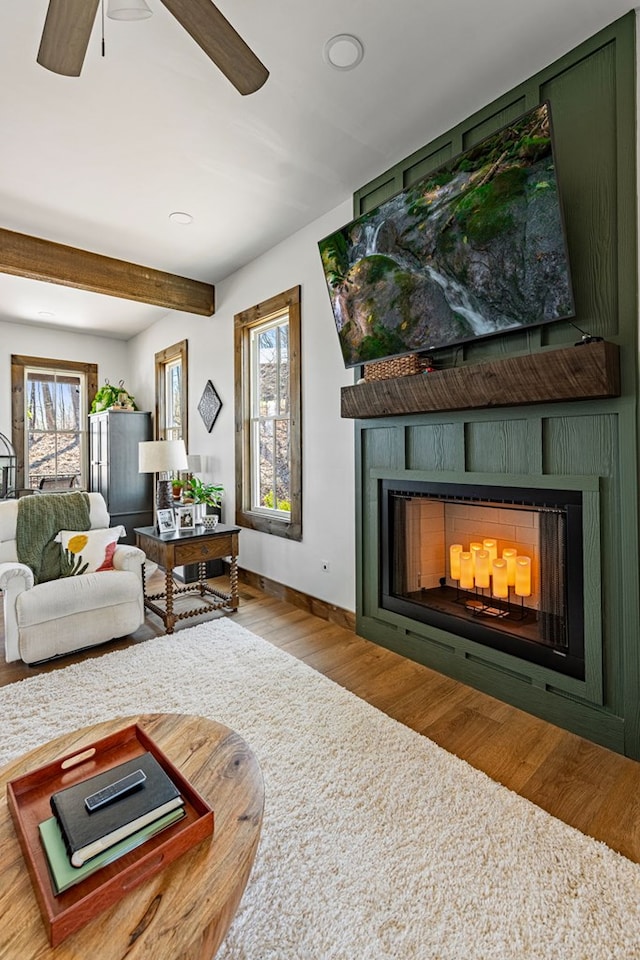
x: 274, y: 486
x: 255, y: 457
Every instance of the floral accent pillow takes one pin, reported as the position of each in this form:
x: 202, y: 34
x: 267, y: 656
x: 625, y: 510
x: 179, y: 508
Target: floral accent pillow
x: 88, y: 551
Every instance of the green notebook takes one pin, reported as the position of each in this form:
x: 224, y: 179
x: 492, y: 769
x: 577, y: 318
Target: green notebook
x: 64, y: 875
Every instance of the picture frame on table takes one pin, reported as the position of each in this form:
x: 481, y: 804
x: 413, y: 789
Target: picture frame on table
x: 185, y: 517
x: 166, y: 521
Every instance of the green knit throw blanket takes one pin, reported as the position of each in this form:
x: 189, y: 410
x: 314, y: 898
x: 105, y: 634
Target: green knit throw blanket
x: 40, y: 519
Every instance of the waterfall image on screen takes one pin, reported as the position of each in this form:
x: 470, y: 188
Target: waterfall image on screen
x: 475, y: 249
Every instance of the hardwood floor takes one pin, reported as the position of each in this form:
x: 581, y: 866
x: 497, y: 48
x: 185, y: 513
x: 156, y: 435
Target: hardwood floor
x: 591, y: 788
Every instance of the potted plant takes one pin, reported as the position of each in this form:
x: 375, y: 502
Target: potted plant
x: 205, y: 495
x: 110, y: 397
x: 177, y: 485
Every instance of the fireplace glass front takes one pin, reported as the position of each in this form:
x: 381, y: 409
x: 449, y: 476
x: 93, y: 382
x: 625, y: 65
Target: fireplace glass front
x: 500, y: 566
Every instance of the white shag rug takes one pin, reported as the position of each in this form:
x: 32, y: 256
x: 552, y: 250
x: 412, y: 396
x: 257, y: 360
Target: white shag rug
x: 376, y: 843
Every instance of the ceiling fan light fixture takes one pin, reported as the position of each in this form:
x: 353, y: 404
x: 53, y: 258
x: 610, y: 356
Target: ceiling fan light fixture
x: 128, y: 10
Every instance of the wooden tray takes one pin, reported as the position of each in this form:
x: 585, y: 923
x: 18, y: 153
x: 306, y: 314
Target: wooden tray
x: 28, y: 801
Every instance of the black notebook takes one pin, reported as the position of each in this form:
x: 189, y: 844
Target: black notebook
x: 87, y: 834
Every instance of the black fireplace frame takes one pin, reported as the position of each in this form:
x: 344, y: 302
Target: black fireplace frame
x: 570, y: 662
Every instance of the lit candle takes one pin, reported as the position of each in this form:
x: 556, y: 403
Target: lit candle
x: 454, y: 560
x: 523, y: 576
x: 492, y: 547
x: 466, y: 570
x: 483, y: 568
x: 500, y: 587
x: 509, y: 554
x: 474, y: 547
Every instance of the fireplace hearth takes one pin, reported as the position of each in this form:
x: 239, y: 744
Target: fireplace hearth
x: 501, y: 566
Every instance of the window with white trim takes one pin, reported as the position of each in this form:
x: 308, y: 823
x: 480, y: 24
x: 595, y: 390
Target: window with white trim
x: 268, y: 438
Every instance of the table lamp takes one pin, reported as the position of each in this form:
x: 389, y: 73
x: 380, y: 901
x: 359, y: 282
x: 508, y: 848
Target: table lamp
x: 163, y: 457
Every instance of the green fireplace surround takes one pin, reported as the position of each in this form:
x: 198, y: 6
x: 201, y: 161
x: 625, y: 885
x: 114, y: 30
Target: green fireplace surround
x: 587, y: 442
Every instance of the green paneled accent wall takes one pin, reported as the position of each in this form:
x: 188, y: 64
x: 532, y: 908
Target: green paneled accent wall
x: 435, y: 446
x: 499, y: 446
x: 586, y: 445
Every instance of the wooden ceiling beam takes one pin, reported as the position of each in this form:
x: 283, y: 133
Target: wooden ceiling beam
x: 24, y: 256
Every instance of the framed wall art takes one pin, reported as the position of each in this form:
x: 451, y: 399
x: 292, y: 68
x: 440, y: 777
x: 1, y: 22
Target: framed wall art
x: 209, y: 406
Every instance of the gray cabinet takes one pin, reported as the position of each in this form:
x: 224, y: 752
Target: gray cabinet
x: 113, y: 467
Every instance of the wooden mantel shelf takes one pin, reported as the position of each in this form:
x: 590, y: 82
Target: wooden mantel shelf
x: 587, y: 372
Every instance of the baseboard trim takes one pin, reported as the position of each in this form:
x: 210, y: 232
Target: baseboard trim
x: 319, y: 608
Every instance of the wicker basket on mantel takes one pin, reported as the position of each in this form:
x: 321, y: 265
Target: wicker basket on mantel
x: 397, y: 367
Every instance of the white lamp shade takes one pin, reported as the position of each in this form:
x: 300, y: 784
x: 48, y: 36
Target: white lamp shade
x: 161, y: 456
x: 128, y: 10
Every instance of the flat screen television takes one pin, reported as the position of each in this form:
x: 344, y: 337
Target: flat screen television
x: 475, y: 249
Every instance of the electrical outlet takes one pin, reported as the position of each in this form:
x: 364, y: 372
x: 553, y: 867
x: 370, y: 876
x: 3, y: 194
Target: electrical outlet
x: 325, y: 566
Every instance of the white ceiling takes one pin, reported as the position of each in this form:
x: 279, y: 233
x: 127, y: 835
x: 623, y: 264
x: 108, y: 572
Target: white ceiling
x: 100, y: 161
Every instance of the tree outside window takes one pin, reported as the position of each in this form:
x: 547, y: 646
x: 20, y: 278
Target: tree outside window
x: 54, y: 427
x: 270, y: 417
x: 171, y: 392
x: 50, y: 403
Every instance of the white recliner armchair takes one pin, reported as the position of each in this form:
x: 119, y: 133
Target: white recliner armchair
x: 57, y: 617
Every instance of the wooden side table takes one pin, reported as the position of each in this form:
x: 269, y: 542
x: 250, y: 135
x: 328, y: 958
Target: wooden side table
x: 176, y: 548
x: 183, y: 911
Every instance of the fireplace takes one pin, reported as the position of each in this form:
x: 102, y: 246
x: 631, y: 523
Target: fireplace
x: 501, y: 566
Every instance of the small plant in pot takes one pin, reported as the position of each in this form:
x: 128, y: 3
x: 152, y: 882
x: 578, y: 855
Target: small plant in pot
x: 208, y: 498
x: 177, y: 485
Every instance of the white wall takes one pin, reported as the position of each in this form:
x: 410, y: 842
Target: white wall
x: 328, y: 532
x: 328, y: 522
x: 112, y: 357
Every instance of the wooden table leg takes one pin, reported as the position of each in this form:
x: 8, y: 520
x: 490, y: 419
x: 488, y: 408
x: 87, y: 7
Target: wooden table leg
x: 170, y: 618
x: 233, y: 582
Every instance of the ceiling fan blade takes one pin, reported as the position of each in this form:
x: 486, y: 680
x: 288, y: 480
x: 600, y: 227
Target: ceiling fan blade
x: 213, y: 32
x: 65, y: 37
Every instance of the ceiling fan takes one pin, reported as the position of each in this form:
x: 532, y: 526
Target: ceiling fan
x: 69, y: 24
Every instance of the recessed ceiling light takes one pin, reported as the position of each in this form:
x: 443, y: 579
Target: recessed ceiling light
x: 46, y: 314
x: 180, y: 217
x: 343, y: 52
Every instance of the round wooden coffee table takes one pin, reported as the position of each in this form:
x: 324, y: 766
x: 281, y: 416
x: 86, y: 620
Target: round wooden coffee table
x: 184, y: 911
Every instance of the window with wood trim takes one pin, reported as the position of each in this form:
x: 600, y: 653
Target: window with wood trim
x: 172, y: 401
x: 268, y: 416
x: 50, y: 404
